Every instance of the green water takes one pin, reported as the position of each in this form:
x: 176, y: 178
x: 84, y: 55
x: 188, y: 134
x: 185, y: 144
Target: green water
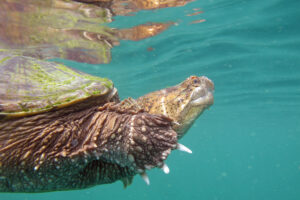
x: 247, y: 145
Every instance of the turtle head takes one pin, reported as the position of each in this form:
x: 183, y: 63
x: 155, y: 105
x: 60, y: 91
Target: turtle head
x: 182, y: 103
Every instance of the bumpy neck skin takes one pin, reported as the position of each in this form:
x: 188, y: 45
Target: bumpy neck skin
x: 62, y: 151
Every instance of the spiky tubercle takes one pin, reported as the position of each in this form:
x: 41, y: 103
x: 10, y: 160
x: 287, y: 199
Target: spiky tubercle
x: 62, y: 151
x: 138, y: 139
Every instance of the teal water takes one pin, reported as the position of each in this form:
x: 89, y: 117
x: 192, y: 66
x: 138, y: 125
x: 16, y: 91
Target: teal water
x: 247, y: 145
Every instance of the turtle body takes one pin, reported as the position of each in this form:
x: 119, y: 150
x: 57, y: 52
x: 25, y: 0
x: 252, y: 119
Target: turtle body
x: 61, y: 129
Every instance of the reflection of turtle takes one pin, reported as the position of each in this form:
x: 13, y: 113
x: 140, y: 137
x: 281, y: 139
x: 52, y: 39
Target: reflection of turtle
x: 56, y: 29
x: 64, y: 29
x: 125, y: 7
x: 62, y: 129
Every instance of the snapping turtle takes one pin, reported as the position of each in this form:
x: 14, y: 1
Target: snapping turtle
x: 62, y: 129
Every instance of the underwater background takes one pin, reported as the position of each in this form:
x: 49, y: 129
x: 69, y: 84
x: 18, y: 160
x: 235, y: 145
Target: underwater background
x: 247, y: 145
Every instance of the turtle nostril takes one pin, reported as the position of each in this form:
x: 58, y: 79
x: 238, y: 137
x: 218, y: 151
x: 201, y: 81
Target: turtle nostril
x: 208, y: 83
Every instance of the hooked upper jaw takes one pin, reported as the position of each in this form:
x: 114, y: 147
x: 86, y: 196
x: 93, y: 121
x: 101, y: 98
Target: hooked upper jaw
x: 203, y: 94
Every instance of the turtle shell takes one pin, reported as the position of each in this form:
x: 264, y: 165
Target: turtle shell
x: 29, y: 85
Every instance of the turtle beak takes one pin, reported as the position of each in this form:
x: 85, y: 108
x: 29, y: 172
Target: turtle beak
x: 203, y: 95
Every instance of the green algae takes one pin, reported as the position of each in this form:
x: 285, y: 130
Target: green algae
x: 4, y: 59
x: 53, y: 85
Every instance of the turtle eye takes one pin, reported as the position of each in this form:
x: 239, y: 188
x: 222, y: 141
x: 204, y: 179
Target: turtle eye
x: 196, y: 81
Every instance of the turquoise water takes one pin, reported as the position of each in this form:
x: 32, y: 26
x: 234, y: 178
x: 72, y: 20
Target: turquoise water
x: 247, y: 145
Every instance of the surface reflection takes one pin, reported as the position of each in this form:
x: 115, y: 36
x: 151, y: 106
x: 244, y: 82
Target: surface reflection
x: 74, y: 30
x: 124, y: 7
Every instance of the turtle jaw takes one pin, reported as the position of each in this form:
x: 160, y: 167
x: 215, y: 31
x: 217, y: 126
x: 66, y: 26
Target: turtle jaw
x: 203, y: 95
